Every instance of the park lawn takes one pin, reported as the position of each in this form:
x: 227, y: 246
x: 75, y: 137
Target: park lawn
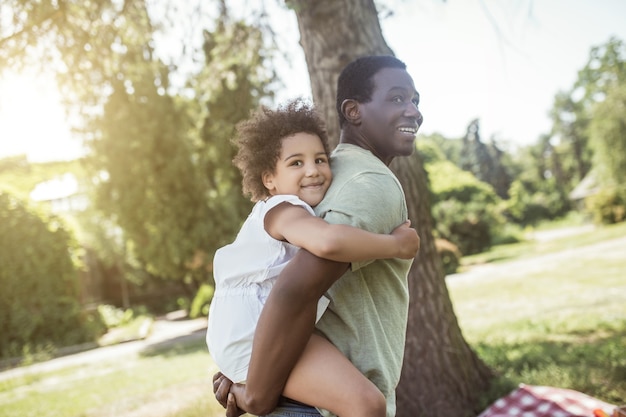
x: 140, y: 384
x: 560, y: 323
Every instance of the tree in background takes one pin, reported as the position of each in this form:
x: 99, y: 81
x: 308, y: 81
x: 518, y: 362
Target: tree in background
x: 170, y: 183
x: 607, y: 135
x: 161, y: 156
x: 441, y: 375
x: 569, y: 139
x: 573, y: 111
x: 585, y: 137
x: 539, y: 190
x: 484, y: 161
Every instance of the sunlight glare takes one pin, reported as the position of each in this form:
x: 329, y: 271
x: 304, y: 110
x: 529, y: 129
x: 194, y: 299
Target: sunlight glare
x: 32, y: 119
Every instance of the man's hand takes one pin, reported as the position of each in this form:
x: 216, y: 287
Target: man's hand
x: 221, y: 389
x: 408, y: 241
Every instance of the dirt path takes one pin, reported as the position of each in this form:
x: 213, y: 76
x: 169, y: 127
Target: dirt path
x: 163, y: 331
x: 609, y: 249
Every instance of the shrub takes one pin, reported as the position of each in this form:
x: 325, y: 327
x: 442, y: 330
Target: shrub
x: 112, y: 316
x: 39, y: 301
x: 201, y: 302
x: 465, y: 210
x: 449, y: 254
x: 530, y: 204
x: 608, y: 206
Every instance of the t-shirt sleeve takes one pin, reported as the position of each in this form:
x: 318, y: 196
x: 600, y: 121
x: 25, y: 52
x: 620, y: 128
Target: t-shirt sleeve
x: 365, y: 202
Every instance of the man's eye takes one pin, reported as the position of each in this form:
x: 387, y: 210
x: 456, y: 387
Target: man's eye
x: 397, y: 99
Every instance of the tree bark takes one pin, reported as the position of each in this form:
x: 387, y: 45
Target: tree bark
x: 441, y: 375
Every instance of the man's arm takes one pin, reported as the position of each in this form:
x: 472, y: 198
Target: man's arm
x: 284, y: 329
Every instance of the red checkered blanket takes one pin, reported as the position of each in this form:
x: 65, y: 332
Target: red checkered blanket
x: 535, y: 401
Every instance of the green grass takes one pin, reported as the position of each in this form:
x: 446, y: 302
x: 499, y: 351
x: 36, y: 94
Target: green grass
x: 113, y: 388
x: 562, y: 324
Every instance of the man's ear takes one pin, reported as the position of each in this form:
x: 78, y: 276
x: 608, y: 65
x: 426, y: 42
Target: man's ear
x: 350, y: 110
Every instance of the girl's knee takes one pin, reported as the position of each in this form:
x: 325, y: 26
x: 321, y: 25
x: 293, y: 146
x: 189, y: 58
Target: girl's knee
x: 372, y: 404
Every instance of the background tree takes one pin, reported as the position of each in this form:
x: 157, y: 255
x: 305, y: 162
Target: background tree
x: 569, y: 125
x: 608, y: 140
x: 170, y: 184
x: 540, y: 186
x: 441, y: 376
x: 161, y: 153
x: 608, y: 137
x: 573, y: 110
x: 484, y: 160
x: 584, y: 112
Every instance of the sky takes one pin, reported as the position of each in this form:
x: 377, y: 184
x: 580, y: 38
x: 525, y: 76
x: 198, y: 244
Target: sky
x: 501, y: 61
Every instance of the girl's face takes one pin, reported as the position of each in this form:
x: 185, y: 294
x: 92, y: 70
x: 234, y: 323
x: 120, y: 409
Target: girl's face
x: 302, y: 169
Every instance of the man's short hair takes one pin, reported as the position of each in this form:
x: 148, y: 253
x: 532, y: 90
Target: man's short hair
x: 355, y: 81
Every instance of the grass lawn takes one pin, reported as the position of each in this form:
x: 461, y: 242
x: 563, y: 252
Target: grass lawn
x: 150, y: 384
x: 559, y: 323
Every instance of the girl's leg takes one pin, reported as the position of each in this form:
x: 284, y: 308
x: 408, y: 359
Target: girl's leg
x: 323, y: 377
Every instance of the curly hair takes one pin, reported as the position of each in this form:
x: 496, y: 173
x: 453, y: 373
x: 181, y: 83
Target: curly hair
x: 259, y: 141
x: 355, y: 81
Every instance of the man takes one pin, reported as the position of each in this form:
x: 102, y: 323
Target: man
x: 377, y: 104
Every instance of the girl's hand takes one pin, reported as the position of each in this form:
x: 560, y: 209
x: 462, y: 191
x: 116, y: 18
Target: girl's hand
x: 407, y: 240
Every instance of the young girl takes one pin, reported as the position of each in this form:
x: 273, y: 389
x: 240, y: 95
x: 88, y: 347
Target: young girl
x: 284, y: 160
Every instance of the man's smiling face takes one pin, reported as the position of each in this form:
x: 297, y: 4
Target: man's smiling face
x: 390, y: 120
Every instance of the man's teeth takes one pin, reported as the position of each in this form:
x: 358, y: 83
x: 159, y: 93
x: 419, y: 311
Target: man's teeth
x: 407, y: 130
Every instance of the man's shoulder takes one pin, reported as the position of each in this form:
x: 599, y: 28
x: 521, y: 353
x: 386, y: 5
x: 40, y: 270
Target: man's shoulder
x: 362, y: 198
x: 350, y: 162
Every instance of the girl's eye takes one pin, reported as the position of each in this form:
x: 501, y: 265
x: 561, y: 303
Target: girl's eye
x: 321, y: 161
x: 296, y: 163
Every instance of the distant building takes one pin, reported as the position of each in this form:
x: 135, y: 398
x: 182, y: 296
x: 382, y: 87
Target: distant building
x: 62, y: 194
x: 588, y: 186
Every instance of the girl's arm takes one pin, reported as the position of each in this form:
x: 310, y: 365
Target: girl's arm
x: 338, y: 242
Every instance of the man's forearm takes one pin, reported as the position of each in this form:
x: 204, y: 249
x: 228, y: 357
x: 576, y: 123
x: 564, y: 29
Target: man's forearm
x: 284, y: 328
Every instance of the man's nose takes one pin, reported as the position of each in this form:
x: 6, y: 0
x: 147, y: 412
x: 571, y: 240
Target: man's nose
x: 413, y: 111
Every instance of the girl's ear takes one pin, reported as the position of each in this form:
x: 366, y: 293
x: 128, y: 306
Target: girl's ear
x: 268, y: 182
x: 350, y: 110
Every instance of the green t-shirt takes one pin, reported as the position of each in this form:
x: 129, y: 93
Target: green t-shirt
x: 367, y: 316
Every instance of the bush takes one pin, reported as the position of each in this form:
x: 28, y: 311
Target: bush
x: 608, y: 206
x: 465, y: 210
x: 449, y: 254
x: 112, y: 316
x: 529, y: 204
x: 201, y: 302
x: 39, y: 301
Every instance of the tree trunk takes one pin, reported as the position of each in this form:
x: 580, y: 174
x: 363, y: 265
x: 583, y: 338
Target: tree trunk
x: 441, y: 376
